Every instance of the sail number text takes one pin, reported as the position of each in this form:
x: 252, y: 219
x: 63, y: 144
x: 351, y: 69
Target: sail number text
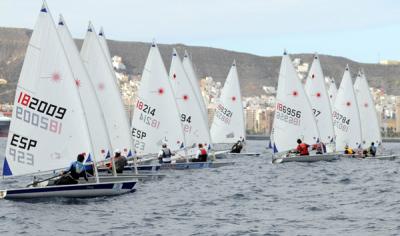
x: 340, y: 121
x: 138, y: 136
x: 41, y: 106
x: 287, y: 114
x: 145, y: 108
x: 223, y: 114
x: 22, y: 156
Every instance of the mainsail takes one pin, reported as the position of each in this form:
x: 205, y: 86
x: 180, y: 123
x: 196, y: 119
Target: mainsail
x: 229, y: 125
x: 346, y: 117
x: 294, y: 118
x: 48, y: 127
x: 191, y: 114
x: 370, y: 127
x: 107, y: 90
x: 319, y: 99
x: 93, y: 113
x: 156, y: 119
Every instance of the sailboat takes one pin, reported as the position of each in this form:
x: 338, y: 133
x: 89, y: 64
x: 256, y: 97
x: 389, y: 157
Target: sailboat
x: 294, y: 118
x: 228, y: 125
x: 97, y: 127
x: 48, y: 130
x: 194, y: 124
x: 346, y: 116
x: 370, y: 128
x: 156, y: 118
x: 152, y: 118
x: 317, y: 95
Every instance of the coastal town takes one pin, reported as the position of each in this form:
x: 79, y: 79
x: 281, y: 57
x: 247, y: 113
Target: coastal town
x: 258, y: 110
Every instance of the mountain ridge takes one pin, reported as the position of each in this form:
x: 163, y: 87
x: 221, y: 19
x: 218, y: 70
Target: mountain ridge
x: 254, y: 71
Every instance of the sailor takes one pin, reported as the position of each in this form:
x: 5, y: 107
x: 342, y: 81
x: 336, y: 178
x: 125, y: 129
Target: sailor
x: 201, y: 155
x: 372, y: 149
x: 164, y: 156
x: 319, y: 147
x: 119, y: 161
x: 237, y: 147
x: 348, y: 150
x: 72, y: 174
x: 302, y: 148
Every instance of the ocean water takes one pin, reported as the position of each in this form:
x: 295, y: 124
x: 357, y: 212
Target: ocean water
x: 252, y: 197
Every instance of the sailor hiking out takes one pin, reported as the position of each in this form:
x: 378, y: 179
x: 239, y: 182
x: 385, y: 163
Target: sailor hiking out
x: 72, y: 174
x: 302, y: 148
x: 237, y: 147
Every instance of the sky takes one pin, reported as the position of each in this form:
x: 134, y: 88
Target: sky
x: 362, y: 30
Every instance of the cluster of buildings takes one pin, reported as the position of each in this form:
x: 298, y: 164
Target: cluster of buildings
x: 258, y: 110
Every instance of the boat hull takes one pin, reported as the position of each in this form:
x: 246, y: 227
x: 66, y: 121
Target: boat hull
x: 310, y: 158
x: 228, y: 154
x: 194, y: 165
x: 377, y: 157
x: 252, y: 154
x: 71, y: 191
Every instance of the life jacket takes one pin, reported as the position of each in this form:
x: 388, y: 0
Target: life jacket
x: 166, y: 155
x: 303, y: 149
x: 348, y: 151
x: 77, y: 170
x: 203, y: 154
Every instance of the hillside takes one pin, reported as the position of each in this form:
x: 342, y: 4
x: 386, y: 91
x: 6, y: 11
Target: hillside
x: 254, y: 71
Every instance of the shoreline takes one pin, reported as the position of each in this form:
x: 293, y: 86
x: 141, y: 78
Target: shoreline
x: 266, y: 137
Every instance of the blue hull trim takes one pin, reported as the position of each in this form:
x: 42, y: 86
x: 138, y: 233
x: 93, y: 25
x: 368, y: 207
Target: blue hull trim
x: 74, y: 191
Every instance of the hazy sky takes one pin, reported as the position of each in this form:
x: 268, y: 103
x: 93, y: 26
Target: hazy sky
x: 363, y: 30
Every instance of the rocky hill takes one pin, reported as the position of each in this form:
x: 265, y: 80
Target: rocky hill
x: 254, y: 71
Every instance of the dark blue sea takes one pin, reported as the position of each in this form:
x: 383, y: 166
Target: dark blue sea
x: 252, y: 197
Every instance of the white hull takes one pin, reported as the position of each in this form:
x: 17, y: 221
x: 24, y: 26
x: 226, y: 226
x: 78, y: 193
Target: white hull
x: 71, y: 191
x: 310, y: 158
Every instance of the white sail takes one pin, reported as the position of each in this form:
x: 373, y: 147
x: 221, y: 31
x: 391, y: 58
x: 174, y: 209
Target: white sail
x: 332, y: 91
x: 294, y: 118
x: 156, y: 119
x: 189, y: 69
x: 346, y: 118
x: 229, y: 125
x: 370, y: 127
x: 107, y: 91
x: 48, y: 127
x: 96, y: 123
x: 319, y: 100
x: 191, y: 115
x: 104, y: 45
